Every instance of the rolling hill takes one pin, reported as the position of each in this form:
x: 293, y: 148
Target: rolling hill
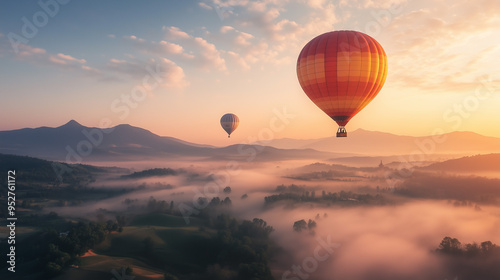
x: 478, y: 163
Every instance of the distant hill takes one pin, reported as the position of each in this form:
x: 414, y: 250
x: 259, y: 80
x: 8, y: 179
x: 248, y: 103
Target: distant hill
x: 364, y: 142
x: 151, y: 173
x: 30, y: 169
x: 74, y: 139
x: 74, y: 143
x: 392, y: 161
x: 485, y: 163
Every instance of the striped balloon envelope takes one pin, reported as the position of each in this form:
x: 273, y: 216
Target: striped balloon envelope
x: 341, y: 72
x: 229, y: 123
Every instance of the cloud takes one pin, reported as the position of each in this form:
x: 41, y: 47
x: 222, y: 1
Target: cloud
x: 174, y: 33
x: 224, y: 29
x: 237, y: 37
x: 238, y: 60
x: 198, y: 51
x: 267, y: 17
x: 70, y: 58
x: 243, y: 38
x: 187, y: 49
x: 161, y: 47
x: 164, y: 71
x: 174, y: 77
x: 205, y: 6
x: 317, y: 4
x: 41, y: 57
x: 444, y: 48
x: 169, y: 74
x: 259, y: 32
x: 372, y: 4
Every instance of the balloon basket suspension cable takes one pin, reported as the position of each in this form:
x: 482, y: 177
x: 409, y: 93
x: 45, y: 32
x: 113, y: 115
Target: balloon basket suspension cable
x: 341, y: 132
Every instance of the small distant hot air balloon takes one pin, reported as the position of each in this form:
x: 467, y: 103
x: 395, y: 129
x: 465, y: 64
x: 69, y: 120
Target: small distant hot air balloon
x: 341, y: 72
x: 229, y: 123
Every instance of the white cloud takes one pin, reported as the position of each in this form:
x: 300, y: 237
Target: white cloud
x: 198, y: 51
x: 70, y: 58
x: 260, y: 32
x: 174, y: 76
x: 431, y: 45
x: 161, y: 47
x: 243, y: 39
x: 267, y: 17
x: 317, y: 4
x: 444, y: 47
x: 237, y: 37
x: 169, y: 74
x: 174, y: 33
x: 205, y: 6
x: 226, y: 28
x: 41, y: 57
x: 240, y: 61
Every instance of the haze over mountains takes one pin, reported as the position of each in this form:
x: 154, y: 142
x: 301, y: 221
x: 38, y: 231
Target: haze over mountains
x: 74, y: 142
x: 367, y: 142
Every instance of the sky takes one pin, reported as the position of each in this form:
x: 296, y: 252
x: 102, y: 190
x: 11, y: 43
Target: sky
x: 175, y: 67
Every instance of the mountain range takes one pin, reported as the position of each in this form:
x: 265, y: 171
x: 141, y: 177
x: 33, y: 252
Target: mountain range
x: 74, y: 143
x: 478, y: 163
x: 374, y: 143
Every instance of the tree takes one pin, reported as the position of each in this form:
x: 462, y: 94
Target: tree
x: 53, y: 268
x: 254, y: 271
x: 227, y: 189
x: 169, y: 276
x: 311, y: 224
x: 120, y: 220
x: 298, y: 226
x: 450, y: 246
x: 226, y: 201
x: 129, y: 270
x: 487, y: 247
x: 472, y: 249
x: 215, y: 201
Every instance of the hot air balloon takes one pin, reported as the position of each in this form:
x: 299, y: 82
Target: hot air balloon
x: 229, y: 123
x: 341, y: 72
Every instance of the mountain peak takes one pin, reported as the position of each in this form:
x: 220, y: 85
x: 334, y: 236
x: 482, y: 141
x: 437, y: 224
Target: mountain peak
x: 72, y: 123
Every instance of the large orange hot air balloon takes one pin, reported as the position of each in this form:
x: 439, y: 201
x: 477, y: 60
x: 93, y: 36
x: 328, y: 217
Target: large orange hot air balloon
x: 341, y: 72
